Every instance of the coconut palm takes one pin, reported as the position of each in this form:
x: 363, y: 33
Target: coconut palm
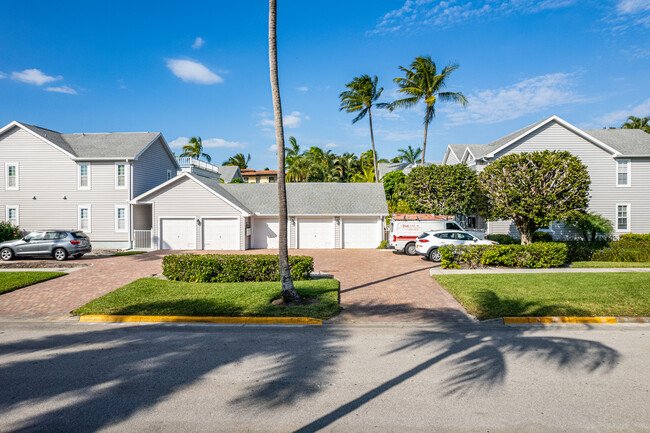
x: 194, y: 149
x: 409, y: 154
x: 238, y: 160
x: 366, y: 175
x: 361, y: 96
x: 289, y: 292
x: 641, y: 123
x: 422, y: 82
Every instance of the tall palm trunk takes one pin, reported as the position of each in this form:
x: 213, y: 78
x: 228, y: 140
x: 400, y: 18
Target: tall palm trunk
x: 426, y: 130
x: 289, y: 292
x: 372, y: 140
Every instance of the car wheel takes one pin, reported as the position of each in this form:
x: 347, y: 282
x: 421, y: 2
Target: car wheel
x: 78, y: 256
x: 409, y: 249
x: 6, y: 254
x: 60, y: 254
x: 435, y: 256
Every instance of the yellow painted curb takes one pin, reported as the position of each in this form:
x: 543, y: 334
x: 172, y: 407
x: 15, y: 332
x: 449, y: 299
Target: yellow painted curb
x: 195, y: 319
x: 560, y: 319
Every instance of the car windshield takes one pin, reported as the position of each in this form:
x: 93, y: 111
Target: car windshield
x: 78, y: 235
x: 34, y: 236
x: 423, y: 235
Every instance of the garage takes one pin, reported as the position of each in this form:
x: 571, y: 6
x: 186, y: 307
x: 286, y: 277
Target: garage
x: 315, y: 233
x: 220, y: 233
x: 360, y: 233
x: 177, y: 233
x: 265, y: 233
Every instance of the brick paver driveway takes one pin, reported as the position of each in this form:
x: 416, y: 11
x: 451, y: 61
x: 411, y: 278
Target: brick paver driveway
x: 376, y: 286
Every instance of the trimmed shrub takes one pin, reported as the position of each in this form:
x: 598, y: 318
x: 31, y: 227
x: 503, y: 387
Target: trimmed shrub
x: 625, y: 250
x: 383, y: 245
x: 540, y: 255
x: 645, y: 237
x: 580, y: 251
x: 503, y: 239
x: 233, y: 268
x: 542, y: 237
x: 9, y: 232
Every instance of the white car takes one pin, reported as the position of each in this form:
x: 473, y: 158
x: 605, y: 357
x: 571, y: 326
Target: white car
x: 427, y: 245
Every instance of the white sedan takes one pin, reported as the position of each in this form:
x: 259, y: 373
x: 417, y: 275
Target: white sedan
x: 427, y: 245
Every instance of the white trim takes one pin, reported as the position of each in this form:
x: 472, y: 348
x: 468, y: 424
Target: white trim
x: 463, y: 160
x: 12, y: 188
x: 13, y: 206
x: 160, y: 218
x: 126, y: 175
x: 90, y: 217
x: 126, y: 218
x: 629, y: 172
x: 26, y: 129
x: 629, y: 218
x: 317, y: 215
x: 561, y: 122
x: 84, y: 188
x: 221, y: 217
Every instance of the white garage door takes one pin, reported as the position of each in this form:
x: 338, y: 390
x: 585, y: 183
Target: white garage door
x: 315, y: 233
x: 178, y: 234
x: 360, y: 233
x: 266, y: 233
x: 221, y: 234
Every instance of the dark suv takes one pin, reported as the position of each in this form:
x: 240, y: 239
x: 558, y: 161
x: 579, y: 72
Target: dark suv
x: 54, y: 243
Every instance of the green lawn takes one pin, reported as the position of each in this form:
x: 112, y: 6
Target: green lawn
x: 583, y: 294
x: 17, y: 280
x: 611, y: 264
x: 155, y: 297
x: 128, y: 253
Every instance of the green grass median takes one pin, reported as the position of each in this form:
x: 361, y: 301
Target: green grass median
x: 10, y: 281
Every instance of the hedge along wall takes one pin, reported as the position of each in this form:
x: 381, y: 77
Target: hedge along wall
x: 538, y: 255
x: 232, y: 268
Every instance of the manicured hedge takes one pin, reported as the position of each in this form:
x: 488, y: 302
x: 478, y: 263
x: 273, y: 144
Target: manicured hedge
x: 581, y: 251
x: 538, y: 255
x: 644, y: 237
x: 232, y: 268
x: 542, y: 237
x: 625, y: 250
x: 503, y: 239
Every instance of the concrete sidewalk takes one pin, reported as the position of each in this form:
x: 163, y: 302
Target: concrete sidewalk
x: 440, y: 271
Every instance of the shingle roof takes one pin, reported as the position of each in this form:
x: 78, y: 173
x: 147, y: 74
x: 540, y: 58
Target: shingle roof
x: 218, y: 187
x: 624, y: 141
x: 118, y: 145
x: 383, y: 168
x: 229, y: 172
x: 311, y: 198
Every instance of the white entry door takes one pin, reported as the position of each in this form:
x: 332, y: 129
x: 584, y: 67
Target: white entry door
x: 266, y: 233
x: 221, y: 234
x: 315, y: 233
x: 361, y: 233
x: 178, y: 233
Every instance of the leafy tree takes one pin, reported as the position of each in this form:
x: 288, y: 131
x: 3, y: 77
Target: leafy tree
x: 194, y: 149
x: 409, y: 155
x: 361, y: 96
x: 237, y: 180
x: 392, y: 182
x: 239, y: 160
x: 289, y: 292
x: 442, y: 189
x: 367, y: 174
x: 641, y: 123
x: 422, y: 82
x: 592, y: 225
x: 347, y: 166
x: 535, y: 189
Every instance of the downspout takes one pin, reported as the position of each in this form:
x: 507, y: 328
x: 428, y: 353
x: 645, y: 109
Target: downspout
x: 130, y: 195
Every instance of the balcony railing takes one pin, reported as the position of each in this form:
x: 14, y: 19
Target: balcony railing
x: 142, y: 239
x: 187, y: 161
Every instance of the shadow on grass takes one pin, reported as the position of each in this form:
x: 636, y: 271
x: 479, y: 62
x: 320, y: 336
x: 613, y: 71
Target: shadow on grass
x: 491, y: 306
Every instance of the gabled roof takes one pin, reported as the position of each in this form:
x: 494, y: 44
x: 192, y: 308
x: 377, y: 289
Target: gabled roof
x: 229, y: 172
x: 625, y: 141
x: 383, y: 168
x: 88, y: 146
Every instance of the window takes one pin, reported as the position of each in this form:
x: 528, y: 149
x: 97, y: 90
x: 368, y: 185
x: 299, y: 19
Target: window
x: 169, y: 174
x: 12, y: 215
x: 623, y: 217
x: 84, y: 218
x: 84, y: 176
x: 452, y: 226
x: 120, y: 218
x: 120, y: 175
x: 623, y: 172
x: 34, y: 236
x: 11, y: 175
x: 464, y: 237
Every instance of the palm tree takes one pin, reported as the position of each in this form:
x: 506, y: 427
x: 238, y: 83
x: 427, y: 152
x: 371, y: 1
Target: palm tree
x: 361, y: 96
x: 239, y: 160
x: 294, y: 150
x: 637, y: 123
x: 367, y: 175
x: 194, y: 149
x: 409, y: 154
x: 289, y: 292
x: 423, y: 83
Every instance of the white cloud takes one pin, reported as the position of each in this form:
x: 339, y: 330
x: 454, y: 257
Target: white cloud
x: 62, y: 89
x: 209, y: 143
x: 3, y: 75
x: 387, y: 114
x: 511, y: 102
x: 273, y: 148
x: 34, y: 76
x: 616, y: 118
x: 290, y: 121
x: 331, y: 145
x: 302, y: 89
x: 629, y: 13
x: 417, y: 14
x: 198, y: 43
x: 193, y: 72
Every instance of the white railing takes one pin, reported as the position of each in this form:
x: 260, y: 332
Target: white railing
x: 188, y: 161
x: 142, y: 239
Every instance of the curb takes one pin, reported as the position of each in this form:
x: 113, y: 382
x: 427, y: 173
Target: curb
x: 602, y: 320
x: 196, y: 319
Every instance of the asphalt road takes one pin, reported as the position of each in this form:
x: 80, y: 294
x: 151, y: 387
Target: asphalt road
x: 72, y: 377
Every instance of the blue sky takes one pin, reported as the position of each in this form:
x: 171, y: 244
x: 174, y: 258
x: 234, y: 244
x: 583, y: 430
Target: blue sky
x: 202, y: 68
